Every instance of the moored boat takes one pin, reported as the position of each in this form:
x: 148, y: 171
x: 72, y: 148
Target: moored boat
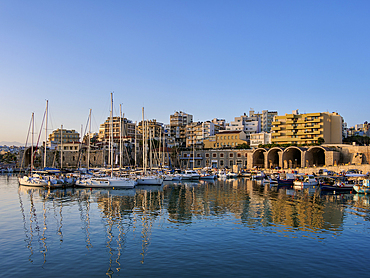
x: 306, y: 181
x: 363, y: 188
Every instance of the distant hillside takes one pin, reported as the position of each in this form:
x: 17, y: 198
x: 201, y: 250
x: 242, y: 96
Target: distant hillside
x: 2, y: 143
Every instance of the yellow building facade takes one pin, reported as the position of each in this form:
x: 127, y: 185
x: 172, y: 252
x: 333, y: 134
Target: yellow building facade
x: 226, y: 139
x: 307, y: 128
x: 66, y: 135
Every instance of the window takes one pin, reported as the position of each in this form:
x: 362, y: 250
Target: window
x: 214, y: 155
x: 207, y: 154
x: 221, y: 163
x: 231, y: 163
x: 221, y: 155
x: 239, y: 155
x: 246, y: 155
x: 231, y: 155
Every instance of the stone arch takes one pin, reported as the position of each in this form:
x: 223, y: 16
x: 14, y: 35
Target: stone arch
x: 315, y: 156
x: 273, y: 157
x: 292, y: 157
x: 27, y: 157
x: 259, y: 157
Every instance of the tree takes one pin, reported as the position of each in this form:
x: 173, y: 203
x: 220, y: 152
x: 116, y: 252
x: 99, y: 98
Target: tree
x: 320, y: 140
x: 243, y: 146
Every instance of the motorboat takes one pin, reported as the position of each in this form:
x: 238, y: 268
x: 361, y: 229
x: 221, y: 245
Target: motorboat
x: 258, y: 176
x: 149, y: 180
x: 193, y: 174
x: 306, y: 181
x: 231, y: 175
x: 337, y: 184
x: 363, y: 188
x: 207, y: 176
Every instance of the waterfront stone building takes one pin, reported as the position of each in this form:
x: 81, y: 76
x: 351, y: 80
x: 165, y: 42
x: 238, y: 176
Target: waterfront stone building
x: 277, y: 157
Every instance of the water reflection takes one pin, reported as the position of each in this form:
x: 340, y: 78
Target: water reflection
x: 140, y: 211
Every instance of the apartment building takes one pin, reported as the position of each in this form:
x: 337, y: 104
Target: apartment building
x: 260, y: 138
x: 177, y: 130
x: 197, y: 132
x: 249, y: 124
x: 307, y: 128
x: 65, y: 135
x: 267, y: 117
x: 180, y: 118
x: 154, y: 129
x: 127, y: 129
x: 226, y: 139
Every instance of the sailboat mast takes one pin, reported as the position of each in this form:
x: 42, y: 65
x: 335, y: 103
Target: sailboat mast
x: 163, y: 151
x: 61, y: 147
x: 33, y: 127
x: 193, y: 155
x: 46, y: 132
x: 150, y: 146
x: 111, y: 132
x: 144, y: 143
x: 159, y: 161
x: 88, y: 148
x: 120, y: 136
x: 135, y: 144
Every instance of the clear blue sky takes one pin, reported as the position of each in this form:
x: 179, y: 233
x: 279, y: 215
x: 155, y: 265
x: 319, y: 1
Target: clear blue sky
x: 207, y: 58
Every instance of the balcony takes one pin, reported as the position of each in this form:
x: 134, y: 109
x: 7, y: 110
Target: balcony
x: 281, y: 139
x: 276, y: 128
x: 317, y: 126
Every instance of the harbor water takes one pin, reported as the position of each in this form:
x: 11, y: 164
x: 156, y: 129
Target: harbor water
x: 225, y: 228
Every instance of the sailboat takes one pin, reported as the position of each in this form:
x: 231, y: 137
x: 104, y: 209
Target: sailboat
x: 33, y: 179
x: 109, y: 181
x: 146, y: 179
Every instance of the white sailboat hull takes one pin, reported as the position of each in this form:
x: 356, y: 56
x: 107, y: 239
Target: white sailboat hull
x: 31, y: 181
x: 106, y: 183
x: 150, y: 180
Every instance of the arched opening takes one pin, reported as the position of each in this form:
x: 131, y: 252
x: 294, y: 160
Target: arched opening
x: 315, y: 156
x: 27, y: 157
x: 259, y: 158
x: 292, y: 157
x: 273, y: 158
